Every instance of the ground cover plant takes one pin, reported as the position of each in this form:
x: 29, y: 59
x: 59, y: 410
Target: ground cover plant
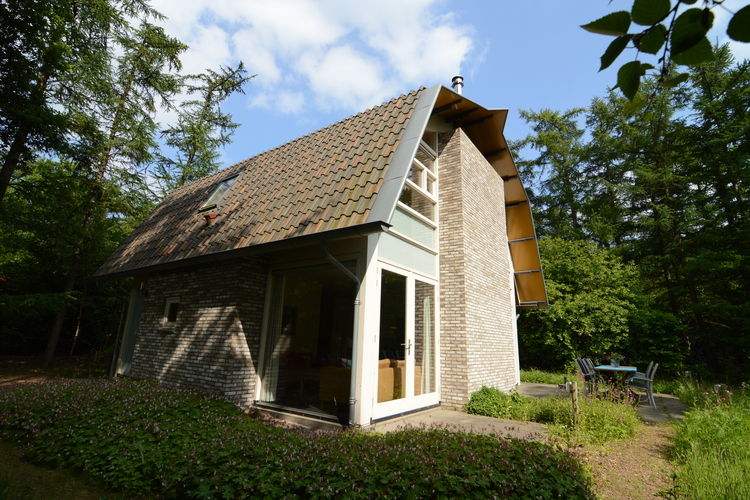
x: 144, y: 438
x: 599, y: 420
x: 712, y: 446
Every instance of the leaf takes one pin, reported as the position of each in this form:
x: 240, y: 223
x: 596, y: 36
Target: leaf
x: 651, y: 41
x: 699, y: 53
x: 615, y: 49
x: 614, y: 24
x: 648, y: 12
x: 629, y: 77
x: 689, y: 28
x: 675, y: 80
x: 739, y: 25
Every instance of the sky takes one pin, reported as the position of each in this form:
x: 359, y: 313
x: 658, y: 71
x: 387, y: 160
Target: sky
x: 319, y: 61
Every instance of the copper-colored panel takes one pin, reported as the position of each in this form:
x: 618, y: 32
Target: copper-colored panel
x: 520, y: 224
x: 514, y: 191
x: 525, y: 255
x: 530, y: 289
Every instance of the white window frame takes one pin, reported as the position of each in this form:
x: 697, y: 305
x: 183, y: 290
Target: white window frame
x: 165, y: 319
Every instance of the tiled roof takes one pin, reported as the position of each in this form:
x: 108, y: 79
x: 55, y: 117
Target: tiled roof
x: 323, y: 181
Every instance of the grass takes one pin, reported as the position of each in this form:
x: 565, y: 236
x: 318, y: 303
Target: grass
x: 600, y: 421
x: 535, y: 376
x: 149, y: 440
x: 712, y: 446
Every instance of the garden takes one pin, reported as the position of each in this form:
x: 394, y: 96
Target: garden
x: 141, y: 438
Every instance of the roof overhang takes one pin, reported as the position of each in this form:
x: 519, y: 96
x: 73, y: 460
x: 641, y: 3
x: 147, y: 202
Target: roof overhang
x: 360, y: 230
x: 485, y: 129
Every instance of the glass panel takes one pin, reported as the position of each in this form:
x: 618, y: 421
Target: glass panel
x: 415, y: 174
x: 407, y: 255
x: 426, y: 158
x: 418, y: 202
x: 410, y: 226
x: 430, y: 185
x: 219, y: 192
x: 392, y: 359
x: 424, y: 338
x: 308, y: 354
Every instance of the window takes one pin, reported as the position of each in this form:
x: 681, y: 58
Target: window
x: 219, y: 193
x: 419, y: 193
x: 171, y: 311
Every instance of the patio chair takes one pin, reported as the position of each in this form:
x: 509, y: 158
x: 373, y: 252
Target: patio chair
x: 586, y: 368
x: 645, y: 383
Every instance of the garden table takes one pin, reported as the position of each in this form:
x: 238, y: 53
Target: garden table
x: 617, y: 377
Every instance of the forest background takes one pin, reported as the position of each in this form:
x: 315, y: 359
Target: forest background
x: 641, y: 205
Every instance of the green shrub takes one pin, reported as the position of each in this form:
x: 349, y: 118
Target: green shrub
x: 600, y: 421
x: 534, y: 376
x: 712, y: 447
x: 147, y: 439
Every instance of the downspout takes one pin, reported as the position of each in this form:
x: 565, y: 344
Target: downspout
x: 355, y: 333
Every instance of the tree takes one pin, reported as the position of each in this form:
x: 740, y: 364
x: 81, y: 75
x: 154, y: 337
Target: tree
x: 682, y: 40
x: 558, y: 192
x: 591, y: 299
x: 202, y: 129
x: 144, y: 76
x: 52, y: 55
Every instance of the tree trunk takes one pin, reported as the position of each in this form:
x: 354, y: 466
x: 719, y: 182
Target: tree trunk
x: 13, y: 157
x: 54, y: 334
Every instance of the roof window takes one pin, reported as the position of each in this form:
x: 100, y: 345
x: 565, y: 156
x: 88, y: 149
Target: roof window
x: 219, y: 193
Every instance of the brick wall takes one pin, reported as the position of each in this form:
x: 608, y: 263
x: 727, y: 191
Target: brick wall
x: 476, y: 276
x: 215, y: 341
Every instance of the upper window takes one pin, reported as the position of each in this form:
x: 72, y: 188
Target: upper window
x: 219, y: 192
x: 419, y: 193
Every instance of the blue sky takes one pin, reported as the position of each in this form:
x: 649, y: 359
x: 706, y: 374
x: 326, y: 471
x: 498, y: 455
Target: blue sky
x: 318, y: 61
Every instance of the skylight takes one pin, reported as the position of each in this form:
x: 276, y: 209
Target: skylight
x: 219, y: 192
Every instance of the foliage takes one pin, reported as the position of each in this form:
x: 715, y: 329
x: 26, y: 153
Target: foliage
x: 681, y: 35
x: 590, y: 302
x: 535, y: 376
x: 37, y: 241
x: 81, y: 83
x: 201, y: 128
x: 148, y: 439
x: 660, y: 182
x: 712, y: 447
x: 600, y: 421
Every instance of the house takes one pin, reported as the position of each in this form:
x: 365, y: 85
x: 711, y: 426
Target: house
x: 365, y: 270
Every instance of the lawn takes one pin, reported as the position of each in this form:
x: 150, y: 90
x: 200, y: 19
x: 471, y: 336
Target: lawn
x: 143, y: 438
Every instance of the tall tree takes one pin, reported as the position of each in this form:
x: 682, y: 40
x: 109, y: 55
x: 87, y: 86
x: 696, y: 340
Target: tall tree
x: 145, y: 75
x: 51, y: 54
x: 202, y: 128
x: 557, y: 191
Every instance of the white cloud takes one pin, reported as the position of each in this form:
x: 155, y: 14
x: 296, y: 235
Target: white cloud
x: 331, y: 53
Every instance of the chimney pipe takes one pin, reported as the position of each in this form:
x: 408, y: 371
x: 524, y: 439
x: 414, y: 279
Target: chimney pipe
x: 458, y: 84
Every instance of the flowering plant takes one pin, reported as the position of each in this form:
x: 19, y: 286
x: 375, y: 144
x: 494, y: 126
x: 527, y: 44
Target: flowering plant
x: 614, y: 356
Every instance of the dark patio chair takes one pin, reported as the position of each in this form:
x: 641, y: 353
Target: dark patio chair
x: 645, y: 383
x: 590, y: 377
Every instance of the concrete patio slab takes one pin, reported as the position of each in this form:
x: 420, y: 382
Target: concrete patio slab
x: 668, y: 408
x: 457, y: 421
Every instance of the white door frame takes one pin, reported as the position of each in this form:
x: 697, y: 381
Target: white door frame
x: 409, y: 402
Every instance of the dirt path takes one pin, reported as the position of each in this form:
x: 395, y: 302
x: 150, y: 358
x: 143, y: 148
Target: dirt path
x: 632, y: 469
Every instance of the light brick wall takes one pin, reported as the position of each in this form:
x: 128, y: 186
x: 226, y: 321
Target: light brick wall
x: 215, y: 342
x: 476, y: 276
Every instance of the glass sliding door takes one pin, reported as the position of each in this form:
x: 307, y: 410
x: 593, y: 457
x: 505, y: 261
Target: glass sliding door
x: 307, y: 359
x: 424, y: 338
x: 392, y: 345
x: 407, y: 344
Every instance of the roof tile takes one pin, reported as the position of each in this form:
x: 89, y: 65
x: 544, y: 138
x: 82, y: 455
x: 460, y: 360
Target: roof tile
x: 323, y: 181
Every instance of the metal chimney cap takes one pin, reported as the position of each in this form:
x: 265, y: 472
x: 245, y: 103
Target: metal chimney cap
x: 457, y: 83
